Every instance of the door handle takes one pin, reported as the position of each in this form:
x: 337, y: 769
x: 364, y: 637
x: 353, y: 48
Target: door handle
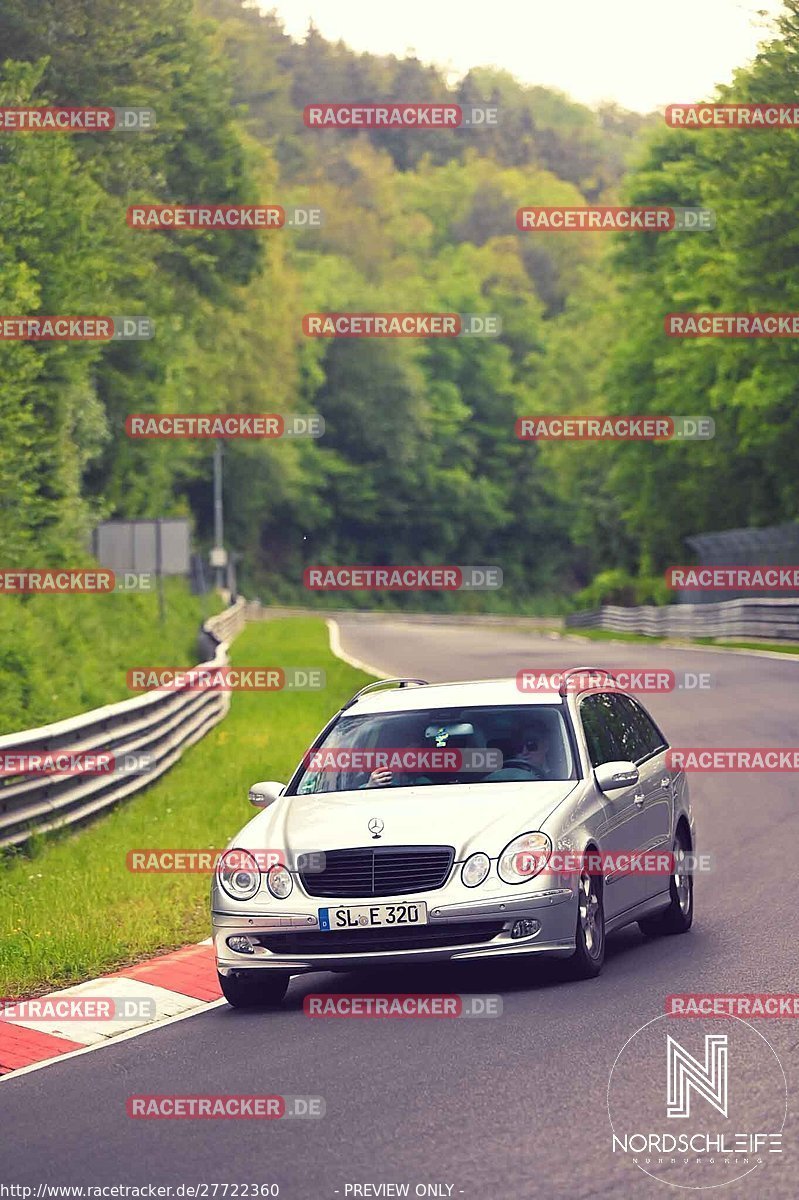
x: 638, y: 799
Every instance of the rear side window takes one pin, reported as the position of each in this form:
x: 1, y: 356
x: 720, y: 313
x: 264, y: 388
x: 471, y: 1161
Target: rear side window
x: 629, y: 734
x: 616, y: 727
x: 649, y: 737
x: 599, y: 720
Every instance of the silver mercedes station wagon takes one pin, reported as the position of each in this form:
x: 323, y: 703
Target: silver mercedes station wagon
x: 458, y: 821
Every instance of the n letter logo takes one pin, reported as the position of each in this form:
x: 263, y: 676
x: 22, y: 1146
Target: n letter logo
x: 685, y: 1072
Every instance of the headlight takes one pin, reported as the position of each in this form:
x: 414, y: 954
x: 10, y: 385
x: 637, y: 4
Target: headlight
x: 279, y: 882
x: 524, y: 857
x: 238, y: 874
x: 475, y: 869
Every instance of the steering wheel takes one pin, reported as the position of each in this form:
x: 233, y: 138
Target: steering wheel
x: 535, y: 772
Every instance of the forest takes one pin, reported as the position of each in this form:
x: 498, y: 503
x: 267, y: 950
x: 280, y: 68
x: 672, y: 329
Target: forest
x: 419, y: 462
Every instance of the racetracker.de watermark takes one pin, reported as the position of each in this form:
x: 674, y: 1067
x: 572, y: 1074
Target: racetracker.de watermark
x: 227, y: 679
x: 389, y: 115
x: 732, y: 116
x: 401, y: 325
x: 78, y: 1008
x: 56, y: 580
x: 185, y: 861
x: 70, y: 762
x: 63, y: 328
x: 233, y: 217
x: 402, y: 579
x: 732, y: 758
x: 733, y: 577
x: 599, y: 428
x: 211, y: 1107
x: 53, y: 580
x: 732, y: 324
x: 727, y: 1004
x: 228, y: 425
x: 607, y: 863
x: 52, y: 119
x: 606, y: 218
x: 403, y: 758
x: 400, y: 1005
x: 641, y: 679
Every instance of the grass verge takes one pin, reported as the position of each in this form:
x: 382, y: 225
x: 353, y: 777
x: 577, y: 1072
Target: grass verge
x: 73, y: 910
x: 67, y: 654
x: 607, y: 635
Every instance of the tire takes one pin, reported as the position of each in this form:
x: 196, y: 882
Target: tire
x: 589, y: 955
x: 254, y: 989
x: 679, y: 916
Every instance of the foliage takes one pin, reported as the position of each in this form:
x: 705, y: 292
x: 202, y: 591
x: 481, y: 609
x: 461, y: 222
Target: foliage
x: 419, y: 463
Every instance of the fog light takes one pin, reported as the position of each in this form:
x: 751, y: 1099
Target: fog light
x: 524, y: 928
x: 241, y: 944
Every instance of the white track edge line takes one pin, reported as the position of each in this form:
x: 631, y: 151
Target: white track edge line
x: 336, y: 649
x: 202, y: 1006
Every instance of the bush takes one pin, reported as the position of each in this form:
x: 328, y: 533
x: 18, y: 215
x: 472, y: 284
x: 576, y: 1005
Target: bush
x: 620, y: 587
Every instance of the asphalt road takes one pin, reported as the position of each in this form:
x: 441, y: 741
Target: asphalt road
x: 511, y: 1107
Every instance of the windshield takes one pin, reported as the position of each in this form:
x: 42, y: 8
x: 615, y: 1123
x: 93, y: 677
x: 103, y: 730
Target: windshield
x: 499, y: 744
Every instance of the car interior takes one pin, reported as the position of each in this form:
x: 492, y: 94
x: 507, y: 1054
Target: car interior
x: 502, y: 728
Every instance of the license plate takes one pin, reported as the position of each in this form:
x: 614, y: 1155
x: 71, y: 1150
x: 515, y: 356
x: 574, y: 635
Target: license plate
x: 372, y: 916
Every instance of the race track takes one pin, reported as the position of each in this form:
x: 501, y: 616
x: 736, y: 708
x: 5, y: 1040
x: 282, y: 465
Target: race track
x: 513, y: 1107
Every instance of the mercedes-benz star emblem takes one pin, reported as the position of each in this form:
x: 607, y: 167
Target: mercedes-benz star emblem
x: 376, y: 827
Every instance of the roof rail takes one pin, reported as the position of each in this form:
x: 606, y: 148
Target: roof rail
x: 378, y: 683
x: 563, y: 689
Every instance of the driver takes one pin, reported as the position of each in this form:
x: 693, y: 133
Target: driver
x: 529, y: 758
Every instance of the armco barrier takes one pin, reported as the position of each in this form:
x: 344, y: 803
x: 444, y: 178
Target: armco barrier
x: 775, y: 620
x: 161, y: 724
x: 229, y: 622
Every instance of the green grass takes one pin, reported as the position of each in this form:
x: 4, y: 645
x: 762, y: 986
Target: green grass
x: 724, y: 644
x: 63, y: 655
x: 607, y: 635
x: 74, y: 910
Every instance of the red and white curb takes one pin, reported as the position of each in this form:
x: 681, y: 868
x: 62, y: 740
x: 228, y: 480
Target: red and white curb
x: 179, y: 984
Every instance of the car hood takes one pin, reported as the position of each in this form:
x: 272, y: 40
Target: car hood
x: 469, y: 817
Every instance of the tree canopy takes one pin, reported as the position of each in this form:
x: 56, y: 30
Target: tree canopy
x: 419, y: 462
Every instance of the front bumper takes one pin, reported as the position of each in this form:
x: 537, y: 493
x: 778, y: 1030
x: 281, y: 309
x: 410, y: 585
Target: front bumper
x: 487, y: 924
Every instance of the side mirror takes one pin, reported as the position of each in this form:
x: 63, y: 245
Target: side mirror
x: 614, y: 775
x: 264, y: 794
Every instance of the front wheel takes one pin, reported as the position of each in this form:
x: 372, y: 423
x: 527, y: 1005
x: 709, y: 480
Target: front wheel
x: 589, y: 955
x: 679, y: 916
x: 254, y: 989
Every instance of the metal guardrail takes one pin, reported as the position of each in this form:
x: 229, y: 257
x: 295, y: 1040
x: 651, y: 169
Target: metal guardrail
x: 160, y: 724
x: 774, y: 620
x: 229, y: 622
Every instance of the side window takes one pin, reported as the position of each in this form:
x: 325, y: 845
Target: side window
x: 636, y: 734
x: 596, y: 714
x: 649, y: 733
x: 628, y: 734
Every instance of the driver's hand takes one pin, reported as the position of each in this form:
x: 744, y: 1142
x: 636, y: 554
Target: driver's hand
x: 381, y: 777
